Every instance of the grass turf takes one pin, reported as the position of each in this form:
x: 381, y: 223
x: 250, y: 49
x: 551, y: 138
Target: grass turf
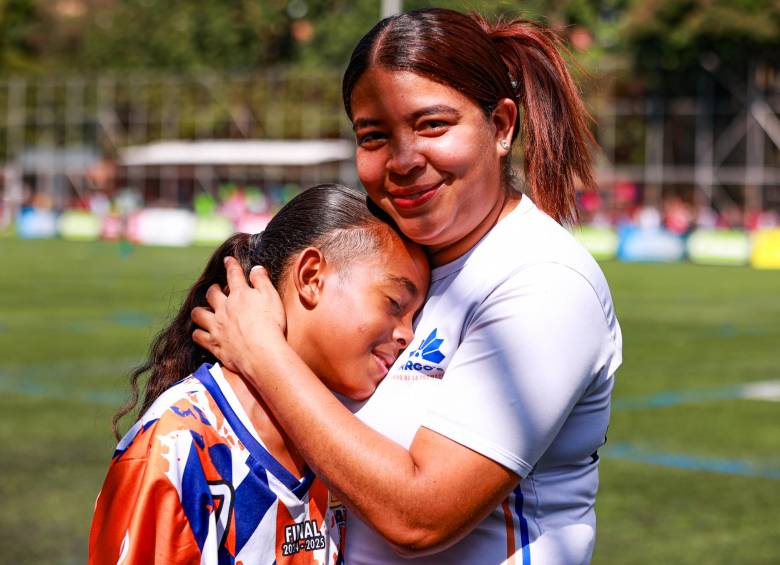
x: 74, y: 317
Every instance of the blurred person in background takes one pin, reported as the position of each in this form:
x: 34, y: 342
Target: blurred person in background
x: 678, y: 215
x: 480, y: 445
x: 206, y: 475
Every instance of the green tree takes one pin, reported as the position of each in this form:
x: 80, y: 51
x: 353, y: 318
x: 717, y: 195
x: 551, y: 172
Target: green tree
x: 183, y: 36
x: 671, y: 42
x: 18, y: 23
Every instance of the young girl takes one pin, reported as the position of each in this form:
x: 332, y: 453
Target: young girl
x: 206, y: 475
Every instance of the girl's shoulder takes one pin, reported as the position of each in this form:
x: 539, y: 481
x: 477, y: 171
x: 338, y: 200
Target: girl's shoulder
x: 180, y: 415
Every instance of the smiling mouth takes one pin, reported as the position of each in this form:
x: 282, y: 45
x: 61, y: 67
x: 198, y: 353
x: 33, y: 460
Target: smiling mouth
x: 415, y: 197
x: 384, y: 361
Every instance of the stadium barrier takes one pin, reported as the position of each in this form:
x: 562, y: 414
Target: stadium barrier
x: 602, y: 242
x: 36, y: 224
x: 179, y: 228
x: 719, y: 247
x: 650, y: 245
x: 211, y: 230
x: 766, y: 249
x: 76, y: 225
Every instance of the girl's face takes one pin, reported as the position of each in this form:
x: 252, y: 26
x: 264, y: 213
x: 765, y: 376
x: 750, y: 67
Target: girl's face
x: 361, y: 317
x: 429, y: 157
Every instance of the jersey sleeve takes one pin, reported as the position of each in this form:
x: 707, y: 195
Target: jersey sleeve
x: 528, y: 353
x: 139, y: 517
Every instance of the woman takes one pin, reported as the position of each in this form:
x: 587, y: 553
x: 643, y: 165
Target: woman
x: 481, y: 443
x: 206, y: 474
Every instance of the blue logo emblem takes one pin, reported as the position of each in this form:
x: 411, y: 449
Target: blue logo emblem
x: 429, y: 349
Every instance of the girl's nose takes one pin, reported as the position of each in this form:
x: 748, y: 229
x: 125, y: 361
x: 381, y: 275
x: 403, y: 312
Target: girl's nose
x: 403, y: 334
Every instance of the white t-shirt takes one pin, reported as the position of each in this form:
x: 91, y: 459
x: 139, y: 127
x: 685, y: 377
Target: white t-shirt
x: 513, y: 357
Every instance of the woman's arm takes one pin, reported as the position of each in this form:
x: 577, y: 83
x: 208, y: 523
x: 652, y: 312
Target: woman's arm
x: 420, y: 500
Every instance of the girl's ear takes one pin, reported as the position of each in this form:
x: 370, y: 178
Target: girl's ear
x: 504, y: 119
x: 308, y: 276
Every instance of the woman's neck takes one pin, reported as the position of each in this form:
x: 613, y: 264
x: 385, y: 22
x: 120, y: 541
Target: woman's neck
x: 500, y: 210
x: 274, y: 438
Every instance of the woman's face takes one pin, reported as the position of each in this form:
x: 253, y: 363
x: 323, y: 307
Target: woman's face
x: 429, y: 157
x: 362, y: 318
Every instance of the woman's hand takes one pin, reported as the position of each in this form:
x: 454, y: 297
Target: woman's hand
x: 249, y: 318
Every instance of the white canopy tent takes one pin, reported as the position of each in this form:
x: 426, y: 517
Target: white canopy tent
x: 293, y: 153
x: 174, y: 168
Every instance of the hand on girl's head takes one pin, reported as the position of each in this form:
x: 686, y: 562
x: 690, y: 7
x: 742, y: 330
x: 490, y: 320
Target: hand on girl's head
x: 241, y: 317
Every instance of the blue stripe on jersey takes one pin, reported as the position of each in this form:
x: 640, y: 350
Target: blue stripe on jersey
x: 304, y: 484
x: 523, y: 526
x: 222, y: 460
x: 253, y: 499
x: 260, y: 453
x: 196, y: 497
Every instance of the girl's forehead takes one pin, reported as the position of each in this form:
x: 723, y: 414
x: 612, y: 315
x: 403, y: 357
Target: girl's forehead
x: 394, y: 258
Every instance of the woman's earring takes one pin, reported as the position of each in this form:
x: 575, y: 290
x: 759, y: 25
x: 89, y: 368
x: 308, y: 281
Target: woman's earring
x: 504, y: 144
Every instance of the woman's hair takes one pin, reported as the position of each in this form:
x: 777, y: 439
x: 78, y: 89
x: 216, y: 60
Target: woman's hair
x: 340, y: 221
x: 488, y: 62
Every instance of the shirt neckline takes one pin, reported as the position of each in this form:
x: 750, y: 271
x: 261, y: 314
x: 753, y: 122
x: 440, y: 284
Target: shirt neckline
x: 523, y: 206
x: 209, y: 376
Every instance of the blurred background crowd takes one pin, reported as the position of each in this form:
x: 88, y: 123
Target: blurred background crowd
x: 173, y: 122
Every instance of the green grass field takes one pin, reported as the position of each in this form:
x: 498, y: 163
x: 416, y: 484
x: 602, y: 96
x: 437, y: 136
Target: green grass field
x: 691, y: 473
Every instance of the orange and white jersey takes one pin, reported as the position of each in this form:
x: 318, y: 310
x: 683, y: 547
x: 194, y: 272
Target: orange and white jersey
x: 191, y: 482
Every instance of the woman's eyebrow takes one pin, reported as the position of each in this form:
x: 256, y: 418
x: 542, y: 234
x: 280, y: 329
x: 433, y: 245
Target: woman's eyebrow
x: 436, y: 109
x: 414, y: 116
x: 364, y: 123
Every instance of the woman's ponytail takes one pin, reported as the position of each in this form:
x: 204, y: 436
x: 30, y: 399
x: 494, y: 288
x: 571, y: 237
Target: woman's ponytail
x: 554, y: 129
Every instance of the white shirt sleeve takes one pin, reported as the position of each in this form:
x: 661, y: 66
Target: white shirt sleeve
x: 528, y: 354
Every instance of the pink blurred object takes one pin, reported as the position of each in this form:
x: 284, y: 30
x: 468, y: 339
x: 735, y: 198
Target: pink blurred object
x: 133, y: 229
x: 253, y: 223
x: 112, y: 228
x: 626, y: 191
x: 590, y: 201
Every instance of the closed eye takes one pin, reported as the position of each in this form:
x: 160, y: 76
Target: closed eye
x: 395, y: 307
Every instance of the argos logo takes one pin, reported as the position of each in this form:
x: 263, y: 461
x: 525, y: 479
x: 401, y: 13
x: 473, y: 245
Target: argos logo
x: 427, y: 357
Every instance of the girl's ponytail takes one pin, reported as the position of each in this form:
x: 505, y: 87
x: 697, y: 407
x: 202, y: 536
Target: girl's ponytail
x: 554, y: 129
x: 173, y: 355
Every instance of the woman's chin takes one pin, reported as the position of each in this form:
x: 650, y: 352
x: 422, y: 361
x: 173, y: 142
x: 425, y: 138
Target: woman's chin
x: 421, y: 230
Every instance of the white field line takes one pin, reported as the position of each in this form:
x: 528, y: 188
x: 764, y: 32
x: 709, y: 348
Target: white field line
x: 762, y: 390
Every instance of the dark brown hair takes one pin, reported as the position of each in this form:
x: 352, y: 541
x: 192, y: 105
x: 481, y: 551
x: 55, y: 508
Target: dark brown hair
x: 488, y: 62
x: 338, y: 220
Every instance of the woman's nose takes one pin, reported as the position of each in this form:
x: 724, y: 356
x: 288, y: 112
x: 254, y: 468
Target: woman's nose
x: 405, y: 158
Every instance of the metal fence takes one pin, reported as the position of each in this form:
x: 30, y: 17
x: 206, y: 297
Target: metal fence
x: 57, y: 132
